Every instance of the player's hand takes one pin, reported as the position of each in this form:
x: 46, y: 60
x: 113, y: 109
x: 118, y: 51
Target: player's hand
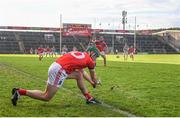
x: 97, y: 82
x: 93, y: 85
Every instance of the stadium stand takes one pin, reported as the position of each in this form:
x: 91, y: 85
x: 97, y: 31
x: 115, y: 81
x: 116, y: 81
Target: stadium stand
x: 170, y: 37
x: 145, y: 44
x: 22, y: 41
x: 8, y: 43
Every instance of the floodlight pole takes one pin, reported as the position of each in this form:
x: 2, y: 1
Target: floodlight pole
x: 124, y: 19
x: 60, y: 35
x: 135, y: 32
x: 124, y: 22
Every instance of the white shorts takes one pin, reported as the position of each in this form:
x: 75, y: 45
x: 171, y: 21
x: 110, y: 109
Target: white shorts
x: 125, y: 53
x: 41, y: 54
x: 56, y: 75
x: 132, y: 53
x: 63, y: 52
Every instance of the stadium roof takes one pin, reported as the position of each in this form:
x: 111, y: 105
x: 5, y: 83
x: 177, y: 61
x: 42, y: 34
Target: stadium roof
x: 167, y: 31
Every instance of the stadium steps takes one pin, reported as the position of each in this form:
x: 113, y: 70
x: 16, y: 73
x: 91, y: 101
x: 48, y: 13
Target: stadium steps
x: 166, y: 41
x: 20, y: 42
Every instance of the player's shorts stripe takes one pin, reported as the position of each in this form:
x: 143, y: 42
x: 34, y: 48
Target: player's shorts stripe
x: 58, y: 76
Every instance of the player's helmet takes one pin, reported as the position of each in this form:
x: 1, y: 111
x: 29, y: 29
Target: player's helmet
x: 93, y: 51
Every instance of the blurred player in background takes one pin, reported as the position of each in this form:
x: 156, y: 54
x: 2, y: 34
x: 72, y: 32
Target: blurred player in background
x: 53, y: 49
x: 131, y: 52
x: 48, y: 51
x: 31, y: 51
x: 35, y: 51
x: 45, y: 51
x: 64, y: 50
x: 125, y: 51
x: 40, y: 52
x: 74, y: 49
x: 102, y: 47
x: 69, y: 65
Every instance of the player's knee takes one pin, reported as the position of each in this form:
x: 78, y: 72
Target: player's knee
x: 47, y: 98
x: 79, y: 75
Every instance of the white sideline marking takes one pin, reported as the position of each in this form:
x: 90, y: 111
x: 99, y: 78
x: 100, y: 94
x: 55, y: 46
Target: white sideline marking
x: 123, y: 112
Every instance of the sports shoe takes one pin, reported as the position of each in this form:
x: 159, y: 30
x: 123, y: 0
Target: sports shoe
x: 93, y: 101
x: 15, y: 96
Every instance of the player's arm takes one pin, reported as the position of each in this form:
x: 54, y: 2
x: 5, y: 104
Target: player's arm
x: 93, y: 76
x: 91, y: 67
x: 87, y: 77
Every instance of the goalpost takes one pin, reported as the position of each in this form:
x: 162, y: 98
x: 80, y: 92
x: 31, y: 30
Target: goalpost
x: 60, y: 35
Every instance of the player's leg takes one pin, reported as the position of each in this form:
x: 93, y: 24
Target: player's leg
x: 43, y: 95
x: 50, y: 54
x: 103, y: 55
x: 132, y: 56
x: 40, y: 57
x: 79, y: 78
x: 35, y: 94
x: 40, y: 95
x: 46, y: 54
x: 56, y: 77
x: 125, y: 56
x: 87, y: 77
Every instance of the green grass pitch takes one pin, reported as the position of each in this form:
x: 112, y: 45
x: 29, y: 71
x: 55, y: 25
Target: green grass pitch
x: 148, y: 86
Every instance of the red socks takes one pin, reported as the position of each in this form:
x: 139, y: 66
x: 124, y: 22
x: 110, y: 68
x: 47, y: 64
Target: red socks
x: 88, y: 96
x: 22, y: 91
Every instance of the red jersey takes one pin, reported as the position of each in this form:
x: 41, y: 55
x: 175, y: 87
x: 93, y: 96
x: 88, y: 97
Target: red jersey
x: 131, y: 50
x: 101, y: 45
x: 48, y: 49
x: 40, y: 50
x: 75, y: 60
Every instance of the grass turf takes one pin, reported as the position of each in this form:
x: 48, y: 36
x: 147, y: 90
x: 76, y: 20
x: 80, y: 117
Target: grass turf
x: 148, y: 86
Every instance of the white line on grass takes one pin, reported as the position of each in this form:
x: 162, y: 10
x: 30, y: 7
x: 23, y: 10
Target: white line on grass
x: 123, y: 112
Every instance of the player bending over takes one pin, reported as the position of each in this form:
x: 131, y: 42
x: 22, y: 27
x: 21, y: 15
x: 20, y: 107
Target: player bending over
x: 69, y: 65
